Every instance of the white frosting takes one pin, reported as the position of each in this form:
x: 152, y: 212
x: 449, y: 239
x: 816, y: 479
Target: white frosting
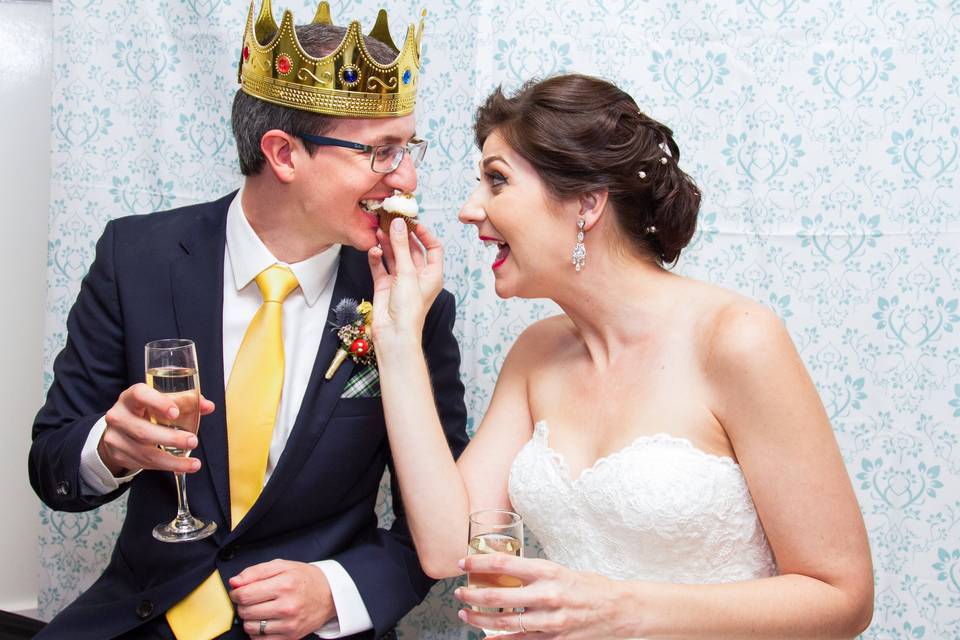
x: 402, y: 203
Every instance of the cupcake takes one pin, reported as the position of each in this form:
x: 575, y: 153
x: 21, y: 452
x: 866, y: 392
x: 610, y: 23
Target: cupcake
x: 399, y: 205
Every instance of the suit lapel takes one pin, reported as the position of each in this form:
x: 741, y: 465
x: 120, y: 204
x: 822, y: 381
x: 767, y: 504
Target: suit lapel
x: 353, y: 281
x: 196, y: 280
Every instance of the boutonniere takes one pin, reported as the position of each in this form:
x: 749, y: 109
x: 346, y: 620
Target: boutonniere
x: 351, y: 321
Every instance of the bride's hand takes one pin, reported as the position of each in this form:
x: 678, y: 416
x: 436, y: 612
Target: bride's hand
x: 402, y: 296
x: 557, y: 602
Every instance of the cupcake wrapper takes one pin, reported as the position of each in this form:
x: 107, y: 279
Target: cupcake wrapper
x: 386, y: 217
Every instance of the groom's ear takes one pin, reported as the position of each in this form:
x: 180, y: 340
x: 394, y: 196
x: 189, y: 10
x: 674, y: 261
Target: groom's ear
x: 280, y: 154
x: 593, y: 204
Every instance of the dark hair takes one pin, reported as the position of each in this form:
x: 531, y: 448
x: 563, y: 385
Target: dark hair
x: 582, y: 134
x: 253, y: 117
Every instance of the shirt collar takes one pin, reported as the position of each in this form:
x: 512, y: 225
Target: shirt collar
x: 249, y: 256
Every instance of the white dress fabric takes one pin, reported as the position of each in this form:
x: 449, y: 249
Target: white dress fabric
x: 657, y: 510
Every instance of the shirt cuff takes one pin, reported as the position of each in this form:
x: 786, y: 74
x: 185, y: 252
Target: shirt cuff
x: 95, y: 478
x: 351, y: 614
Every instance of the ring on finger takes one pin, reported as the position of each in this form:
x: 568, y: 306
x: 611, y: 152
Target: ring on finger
x: 520, y: 621
x: 263, y: 627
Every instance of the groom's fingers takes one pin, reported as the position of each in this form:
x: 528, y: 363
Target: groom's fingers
x: 266, y: 610
x: 206, y: 406
x: 257, y: 593
x: 257, y: 572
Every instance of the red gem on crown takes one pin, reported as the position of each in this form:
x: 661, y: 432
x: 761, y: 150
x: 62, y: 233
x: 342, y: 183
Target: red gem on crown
x: 284, y: 64
x: 246, y: 53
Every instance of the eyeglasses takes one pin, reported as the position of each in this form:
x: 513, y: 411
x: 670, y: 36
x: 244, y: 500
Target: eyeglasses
x: 384, y: 158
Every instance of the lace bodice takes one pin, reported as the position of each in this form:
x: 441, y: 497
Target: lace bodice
x: 658, y: 510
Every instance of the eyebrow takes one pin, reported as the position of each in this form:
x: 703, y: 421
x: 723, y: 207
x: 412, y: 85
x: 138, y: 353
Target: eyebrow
x: 490, y: 159
x: 392, y: 140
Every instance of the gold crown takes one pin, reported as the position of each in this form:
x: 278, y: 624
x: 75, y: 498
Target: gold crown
x: 348, y: 82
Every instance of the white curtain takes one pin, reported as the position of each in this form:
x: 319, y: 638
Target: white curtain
x: 824, y: 136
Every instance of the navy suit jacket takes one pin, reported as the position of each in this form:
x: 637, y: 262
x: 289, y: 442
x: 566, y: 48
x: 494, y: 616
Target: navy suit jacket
x: 161, y: 276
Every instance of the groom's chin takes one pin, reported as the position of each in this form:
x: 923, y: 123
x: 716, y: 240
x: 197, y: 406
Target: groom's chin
x: 364, y: 242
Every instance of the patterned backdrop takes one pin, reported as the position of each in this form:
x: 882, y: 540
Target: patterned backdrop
x: 824, y: 135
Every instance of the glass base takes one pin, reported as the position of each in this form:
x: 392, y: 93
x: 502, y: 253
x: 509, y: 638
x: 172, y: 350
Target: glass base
x: 185, y: 529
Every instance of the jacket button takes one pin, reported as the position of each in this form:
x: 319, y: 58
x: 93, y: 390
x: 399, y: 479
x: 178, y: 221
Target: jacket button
x: 63, y: 488
x: 144, y: 609
x: 227, y: 553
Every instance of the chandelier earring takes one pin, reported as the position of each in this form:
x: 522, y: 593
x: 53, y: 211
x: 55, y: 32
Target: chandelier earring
x: 579, y: 256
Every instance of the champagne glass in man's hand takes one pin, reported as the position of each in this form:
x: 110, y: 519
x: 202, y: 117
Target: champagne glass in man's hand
x: 172, y: 370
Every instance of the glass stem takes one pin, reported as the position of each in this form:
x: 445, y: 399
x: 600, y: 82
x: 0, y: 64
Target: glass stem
x: 183, y: 507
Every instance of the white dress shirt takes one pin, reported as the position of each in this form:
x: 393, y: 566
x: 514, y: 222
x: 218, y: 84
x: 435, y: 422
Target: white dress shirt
x: 304, y: 320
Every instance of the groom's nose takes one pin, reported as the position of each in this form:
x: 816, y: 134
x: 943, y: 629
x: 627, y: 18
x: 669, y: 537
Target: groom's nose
x: 404, y: 177
x: 472, y: 211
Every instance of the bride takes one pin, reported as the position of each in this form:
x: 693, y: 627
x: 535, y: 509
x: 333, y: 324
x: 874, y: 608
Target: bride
x: 661, y: 437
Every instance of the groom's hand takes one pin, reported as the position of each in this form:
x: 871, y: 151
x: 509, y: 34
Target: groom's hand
x: 129, y: 441
x: 292, y: 597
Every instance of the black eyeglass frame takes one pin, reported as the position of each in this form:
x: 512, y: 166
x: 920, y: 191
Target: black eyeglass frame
x: 408, y: 148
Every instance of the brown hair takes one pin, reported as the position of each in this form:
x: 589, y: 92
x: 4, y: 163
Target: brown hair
x: 582, y: 134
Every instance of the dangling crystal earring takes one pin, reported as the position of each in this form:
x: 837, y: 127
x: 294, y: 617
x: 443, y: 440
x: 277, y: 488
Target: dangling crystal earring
x: 579, y: 251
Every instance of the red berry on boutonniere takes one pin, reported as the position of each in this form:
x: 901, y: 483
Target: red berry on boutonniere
x: 359, y: 347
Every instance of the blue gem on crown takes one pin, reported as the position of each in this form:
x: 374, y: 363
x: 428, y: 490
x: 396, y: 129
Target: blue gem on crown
x: 407, y: 74
x: 350, y: 75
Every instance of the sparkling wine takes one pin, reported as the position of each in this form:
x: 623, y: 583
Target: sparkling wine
x: 494, y: 531
x: 182, y: 385
x: 494, y: 543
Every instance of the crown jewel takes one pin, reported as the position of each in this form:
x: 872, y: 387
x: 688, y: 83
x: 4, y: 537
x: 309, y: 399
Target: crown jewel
x: 347, y: 82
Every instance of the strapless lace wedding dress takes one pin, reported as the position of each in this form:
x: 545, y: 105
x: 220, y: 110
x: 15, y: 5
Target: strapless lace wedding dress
x: 658, y: 510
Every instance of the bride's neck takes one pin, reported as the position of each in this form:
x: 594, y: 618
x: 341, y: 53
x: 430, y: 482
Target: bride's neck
x: 617, y: 303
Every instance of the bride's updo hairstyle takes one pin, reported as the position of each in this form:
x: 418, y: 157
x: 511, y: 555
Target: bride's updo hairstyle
x: 583, y: 134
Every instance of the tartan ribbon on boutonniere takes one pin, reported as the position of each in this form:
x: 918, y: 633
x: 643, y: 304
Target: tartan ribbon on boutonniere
x: 351, y: 321
x: 364, y: 383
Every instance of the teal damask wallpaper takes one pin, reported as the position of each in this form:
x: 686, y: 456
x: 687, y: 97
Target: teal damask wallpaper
x: 824, y: 135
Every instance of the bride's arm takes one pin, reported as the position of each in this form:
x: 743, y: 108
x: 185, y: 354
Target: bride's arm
x: 780, y: 431
x: 438, y: 493
x: 772, y: 414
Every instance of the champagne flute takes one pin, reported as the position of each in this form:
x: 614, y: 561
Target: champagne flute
x: 172, y: 370
x: 495, y: 531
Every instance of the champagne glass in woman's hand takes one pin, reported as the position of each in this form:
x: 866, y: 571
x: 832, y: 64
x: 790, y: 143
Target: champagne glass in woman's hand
x: 494, y: 531
x: 406, y: 286
x: 172, y: 370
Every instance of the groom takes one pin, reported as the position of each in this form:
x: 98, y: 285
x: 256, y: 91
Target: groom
x: 287, y: 462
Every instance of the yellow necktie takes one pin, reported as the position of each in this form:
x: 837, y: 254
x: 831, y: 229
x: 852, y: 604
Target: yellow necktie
x: 253, y: 396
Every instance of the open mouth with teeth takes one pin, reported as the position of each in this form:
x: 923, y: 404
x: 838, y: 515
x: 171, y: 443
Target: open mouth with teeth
x: 371, y: 206
x: 503, y: 250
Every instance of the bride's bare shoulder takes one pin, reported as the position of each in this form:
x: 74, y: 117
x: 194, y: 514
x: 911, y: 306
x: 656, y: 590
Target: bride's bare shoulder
x: 733, y: 327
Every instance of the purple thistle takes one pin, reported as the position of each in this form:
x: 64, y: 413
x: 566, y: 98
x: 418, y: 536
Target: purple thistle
x: 345, y: 312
